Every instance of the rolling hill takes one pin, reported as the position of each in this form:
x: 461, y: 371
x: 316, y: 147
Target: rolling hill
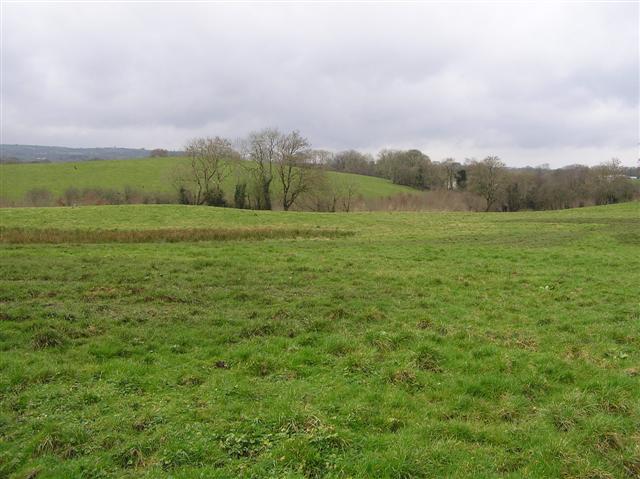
x: 148, y: 174
x: 53, y: 154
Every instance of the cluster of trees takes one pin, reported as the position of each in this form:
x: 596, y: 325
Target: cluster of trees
x: 277, y: 161
x: 568, y: 187
x: 403, y: 167
x: 159, y: 153
x: 511, y: 189
x: 200, y: 181
x: 282, y: 157
x: 502, y: 188
x: 283, y: 166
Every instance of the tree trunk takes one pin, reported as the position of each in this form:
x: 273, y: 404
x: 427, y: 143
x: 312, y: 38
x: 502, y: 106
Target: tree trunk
x: 266, y: 194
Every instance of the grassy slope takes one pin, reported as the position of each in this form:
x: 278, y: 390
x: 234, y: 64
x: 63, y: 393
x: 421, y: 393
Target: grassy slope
x: 427, y: 345
x: 153, y: 175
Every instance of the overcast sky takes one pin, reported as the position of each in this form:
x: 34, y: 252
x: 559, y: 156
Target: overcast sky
x: 532, y: 83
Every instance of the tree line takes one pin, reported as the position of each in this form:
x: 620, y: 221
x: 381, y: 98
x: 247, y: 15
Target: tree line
x: 271, y: 169
x: 502, y: 188
x: 298, y: 172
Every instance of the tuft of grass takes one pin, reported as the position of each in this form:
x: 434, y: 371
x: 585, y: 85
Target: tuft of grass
x: 429, y: 359
x: 47, y: 338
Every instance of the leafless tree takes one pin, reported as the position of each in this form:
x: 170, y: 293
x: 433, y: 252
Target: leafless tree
x: 321, y: 157
x: 320, y: 196
x: 285, y: 157
x: 486, y: 179
x: 206, y: 169
x: 261, y: 148
x: 450, y: 168
x: 346, y: 194
x: 610, y: 185
x: 292, y: 167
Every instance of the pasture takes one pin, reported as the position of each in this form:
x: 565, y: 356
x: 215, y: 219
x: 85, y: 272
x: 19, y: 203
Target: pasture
x: 151, y: 175
x: 276, y: 344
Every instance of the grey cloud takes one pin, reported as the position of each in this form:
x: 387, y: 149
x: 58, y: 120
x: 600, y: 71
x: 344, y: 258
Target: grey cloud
x: 527, y: 80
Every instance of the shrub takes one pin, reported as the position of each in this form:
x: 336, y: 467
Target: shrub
x: 214, y: 197
x: 435, y: 200
x: 240, y: 196
x: 158, y: 198
x: 108, y: 196
x: 70, y: 197
x: 132, y: 196
x: 184, y: 196
x: 38, y: 197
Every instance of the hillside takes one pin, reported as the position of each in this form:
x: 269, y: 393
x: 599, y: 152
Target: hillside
x: 53, y: 154
x: 149, y: 174
x: 184, y: 341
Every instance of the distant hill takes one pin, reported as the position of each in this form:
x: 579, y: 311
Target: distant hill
x: 58, y: 154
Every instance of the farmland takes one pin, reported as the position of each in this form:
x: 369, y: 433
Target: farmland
x: 273, y: 344
x: 152, y: 175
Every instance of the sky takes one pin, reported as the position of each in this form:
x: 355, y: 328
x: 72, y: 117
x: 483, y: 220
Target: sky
x: 533, y: 83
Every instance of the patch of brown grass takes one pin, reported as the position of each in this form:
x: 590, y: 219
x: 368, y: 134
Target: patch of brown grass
x: 435, y: 200
x: 165, y: 235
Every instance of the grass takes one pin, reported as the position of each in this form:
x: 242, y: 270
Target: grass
x: 422, y: 345
x: 167, y: 235
x: 150, y: 175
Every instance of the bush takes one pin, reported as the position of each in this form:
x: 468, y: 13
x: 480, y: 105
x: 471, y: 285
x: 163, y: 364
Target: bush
x: 435, y: 200
x: 214, y: 197
x: 184, y: 196
x: 132, y: 196
x: 106, y: 196
x: 38, y: 197
x: 158, y: 198
x: 240, y: 196
x: 70, y: 197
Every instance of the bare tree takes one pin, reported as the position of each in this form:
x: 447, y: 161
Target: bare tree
x: 450, y: 169
x: 292, y: 167
x: 286, y: 157
x: 352, y: 161
x: 261, y: 148
x: 328, y: 193
x: 348, y: 194
x: 610, y: 184
x: 486, y: 179
x: 320, y: 196
x: 321, y: 157
x: 208, y: 166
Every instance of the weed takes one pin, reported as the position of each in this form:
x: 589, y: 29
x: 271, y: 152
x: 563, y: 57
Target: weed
x: 47, y: 338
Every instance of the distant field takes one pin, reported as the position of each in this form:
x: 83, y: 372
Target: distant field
x: 149, y: 174
x: 385, y: 345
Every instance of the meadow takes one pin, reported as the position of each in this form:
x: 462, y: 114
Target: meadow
x: 150, y: 175
x: 273, y: 344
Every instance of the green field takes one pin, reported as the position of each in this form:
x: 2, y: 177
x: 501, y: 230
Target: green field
x: 407, y: 345
x: 150, y: 175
